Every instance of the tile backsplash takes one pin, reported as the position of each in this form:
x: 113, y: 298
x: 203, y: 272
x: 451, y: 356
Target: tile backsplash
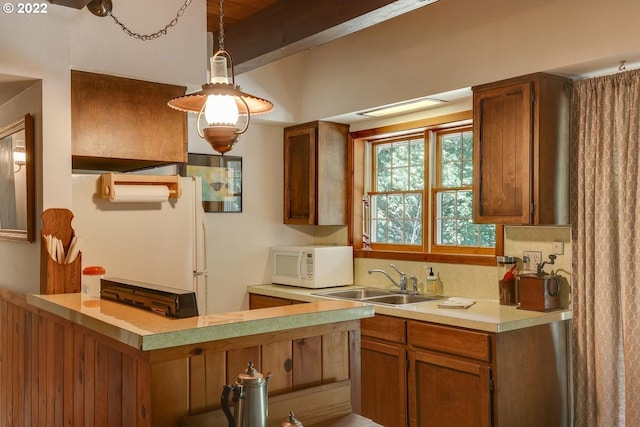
x: 479, y: 282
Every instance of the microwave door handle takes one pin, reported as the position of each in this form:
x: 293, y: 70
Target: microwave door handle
x: 300, y: 261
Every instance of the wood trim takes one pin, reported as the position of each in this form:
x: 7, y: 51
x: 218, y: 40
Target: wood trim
x: 421, y: 256
x: 415, y: 125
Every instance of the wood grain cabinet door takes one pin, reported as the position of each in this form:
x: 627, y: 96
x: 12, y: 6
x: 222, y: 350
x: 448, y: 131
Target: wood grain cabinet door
x: 502, y: 155
x: 124, y: 124
x: 445, y: 392
x: 384, y: 382
x: 300, y: 176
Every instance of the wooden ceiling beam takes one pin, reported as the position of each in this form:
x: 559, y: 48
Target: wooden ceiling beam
x: 76, y: 4
x: 290, y: 26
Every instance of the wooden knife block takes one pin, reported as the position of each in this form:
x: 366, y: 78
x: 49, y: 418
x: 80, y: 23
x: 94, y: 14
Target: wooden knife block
x: 57, y: 278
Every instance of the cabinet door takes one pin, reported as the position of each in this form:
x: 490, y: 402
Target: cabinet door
x: 502, y: 155
x: 300, y: 176
x: 448, y: 392
x: 384, y: 383
x: 124, y: 124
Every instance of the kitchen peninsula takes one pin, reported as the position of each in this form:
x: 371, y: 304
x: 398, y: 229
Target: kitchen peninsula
x: 76, y: 361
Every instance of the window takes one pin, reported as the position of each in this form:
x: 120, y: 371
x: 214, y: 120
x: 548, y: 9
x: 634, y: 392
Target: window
x: 454, y: 230
x: 397, y: 198
x: 417, y: 196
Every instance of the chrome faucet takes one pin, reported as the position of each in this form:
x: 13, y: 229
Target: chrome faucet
x: 403, y: 278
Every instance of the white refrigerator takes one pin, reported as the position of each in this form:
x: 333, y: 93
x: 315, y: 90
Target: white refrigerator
x: 161, y: 243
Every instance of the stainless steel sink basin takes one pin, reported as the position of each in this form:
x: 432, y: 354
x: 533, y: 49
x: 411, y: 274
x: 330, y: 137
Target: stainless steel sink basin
x: 377, y: 296
x: 399, y: 299
x: 356, y: 294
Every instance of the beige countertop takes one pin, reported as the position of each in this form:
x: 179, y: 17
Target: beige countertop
x: 484, y: 315
x: 145, y: 330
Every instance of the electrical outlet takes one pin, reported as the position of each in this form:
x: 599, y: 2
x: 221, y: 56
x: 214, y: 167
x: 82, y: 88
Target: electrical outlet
x: 531, y: 260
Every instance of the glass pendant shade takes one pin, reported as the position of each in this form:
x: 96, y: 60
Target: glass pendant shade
x: 221, y: 110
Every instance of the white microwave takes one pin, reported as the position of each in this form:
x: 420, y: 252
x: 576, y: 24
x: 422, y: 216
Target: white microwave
x: 312, y: 266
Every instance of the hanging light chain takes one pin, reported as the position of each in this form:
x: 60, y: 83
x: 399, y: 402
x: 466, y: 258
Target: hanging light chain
x: 159, y: 33
x: 221, y: 28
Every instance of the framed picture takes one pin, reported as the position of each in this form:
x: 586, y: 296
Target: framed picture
x: 221, y: 181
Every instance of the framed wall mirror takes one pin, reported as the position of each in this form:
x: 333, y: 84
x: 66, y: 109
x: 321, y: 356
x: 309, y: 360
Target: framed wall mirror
x: 17, y: 180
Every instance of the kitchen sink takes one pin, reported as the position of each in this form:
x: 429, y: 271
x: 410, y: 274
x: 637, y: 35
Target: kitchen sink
x: 356, y: 294
x: 377, y: 296
x: 399, y: 299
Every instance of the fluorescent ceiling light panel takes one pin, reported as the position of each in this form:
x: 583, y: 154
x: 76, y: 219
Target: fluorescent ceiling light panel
x: 402, y: 107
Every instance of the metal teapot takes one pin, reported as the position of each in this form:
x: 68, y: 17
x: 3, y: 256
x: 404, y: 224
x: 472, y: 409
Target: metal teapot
x: 250, y: 399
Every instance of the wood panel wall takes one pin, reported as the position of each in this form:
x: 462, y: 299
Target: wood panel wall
x: 56, y: 373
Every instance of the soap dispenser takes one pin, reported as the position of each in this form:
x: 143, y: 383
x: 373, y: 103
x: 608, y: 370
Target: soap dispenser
x: 434, y: 286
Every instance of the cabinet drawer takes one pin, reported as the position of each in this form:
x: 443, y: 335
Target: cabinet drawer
x: 385, y: 328
x: 445, y: 339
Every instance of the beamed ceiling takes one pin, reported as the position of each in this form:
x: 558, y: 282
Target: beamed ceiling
x: 261, y: 31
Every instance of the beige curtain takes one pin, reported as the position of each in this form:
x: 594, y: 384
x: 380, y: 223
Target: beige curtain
x: 605, y: 199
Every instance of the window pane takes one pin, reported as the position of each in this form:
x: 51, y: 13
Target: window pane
x: 400, y: 156
x: 454, y: 224
x: 464, y: 204
x: 396, y: 218
x: 399, y: 179
x: 383, y: 180
x: 467, y: 173
x: 467, y: 233
x: 488, y: 235
x: 417, y: 152
x: 467, y: 145
x: 380, y: 229
x: 451, y: 173
x: 451, y: 147
x: 416, y: 178
x: 396, y: 206
x: 383, y: 156
x: 413, y: 232
x: 413, y: 206
x: 447, y: 208
x: 447, y: 232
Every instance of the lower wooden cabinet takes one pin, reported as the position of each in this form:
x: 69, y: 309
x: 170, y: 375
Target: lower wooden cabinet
x: 445, y: 391
x: 384, y: 382
x: 421, y: 374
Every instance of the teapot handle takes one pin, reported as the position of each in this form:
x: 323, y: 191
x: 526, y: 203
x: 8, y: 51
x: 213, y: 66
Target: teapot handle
x: 224, y: 401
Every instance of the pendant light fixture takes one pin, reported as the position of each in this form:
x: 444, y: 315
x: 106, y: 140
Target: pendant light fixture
x: 227, y: 110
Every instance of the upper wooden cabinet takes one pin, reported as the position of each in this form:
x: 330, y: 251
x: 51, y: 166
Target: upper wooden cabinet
x: 315, y: 174
x: 124, y: 124
x: 521, y: 150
